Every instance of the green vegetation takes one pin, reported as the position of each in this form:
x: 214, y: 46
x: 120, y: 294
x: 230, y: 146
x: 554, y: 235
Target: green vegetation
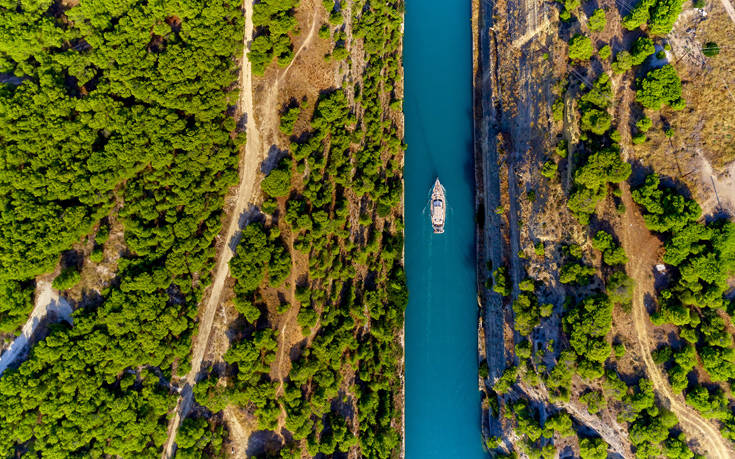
x: 644, y: 124
x: 580, y: 48
x: 619, y: 288
x: 549, y: 169
x: 597, y: 21
x: 660, y: 87
x: 594, y: 400
x: 660, y: 15
x: 509, y: 377
x: 605, y: 52
x: 16, y: 304
x: 351, y: 303
x: 613, y: 254
x: 623, y: 62
x: 603, y: 166
x: 641, y: 49
x: 273, y: 21
x: 289, y: 117
x: 118, y: 104
x: 587, y: 325
x: 527, y: 314
x: 501, y: 282
x: 68, y: 278
x: 576, y: 273
x: 557, y: 109
x: 196, y: 439
x: 703, y: 258
x: 278, y: 181
x: 592, y: 448
x: 711, y: 49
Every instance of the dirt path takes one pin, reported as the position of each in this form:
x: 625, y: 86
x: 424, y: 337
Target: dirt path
x: 239, y: 435
x: 270, y: 108
x: 642, y: 248
x: 307, y: 42
x: 729, y: 8
x: 249, y: 165
x: 48, y: 302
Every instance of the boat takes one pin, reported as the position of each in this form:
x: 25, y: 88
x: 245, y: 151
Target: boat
x: 438, y: 207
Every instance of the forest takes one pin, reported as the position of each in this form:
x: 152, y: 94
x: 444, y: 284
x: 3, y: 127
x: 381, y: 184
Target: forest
x: 334, y: 201
x: 117, y: 108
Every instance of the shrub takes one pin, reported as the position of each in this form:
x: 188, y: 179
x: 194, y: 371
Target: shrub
x: 68, y: 278
x: 639, y: 139
x: 501, y: 283
x: 527, y: 285
x: 615, y: 256
x: 288, y: 119
x: 278, y: 182
x: 597, y: 21
x: 596, y: 121
x: 660, y: 87
x: 557, y: 109
x: 97, y: 255
x: 644, y: 124
x: 619, y: 288
x: 561, y: 149
x: 605, y: 52
x: 594, y: 400
x: 641, y: 49
x: 539, y: 249
x: 503, y: 384
x: 711, y: 49
x: 575, y: 273
x: 592, y: 448
x: 623, y: 62
x: 549, y: 169
x: 580, y: 48
x: 324, y: 32
x: 619, y: 349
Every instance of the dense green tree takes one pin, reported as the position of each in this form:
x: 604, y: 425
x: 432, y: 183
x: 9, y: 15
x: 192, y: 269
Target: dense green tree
x: 660, y: 87
x: 580, y: 48
x: 597, y: 21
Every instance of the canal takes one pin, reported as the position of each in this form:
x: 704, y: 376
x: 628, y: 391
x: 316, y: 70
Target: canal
x: 442, y: 398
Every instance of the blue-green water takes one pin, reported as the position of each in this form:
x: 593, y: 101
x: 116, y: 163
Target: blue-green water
x: 442, y: 399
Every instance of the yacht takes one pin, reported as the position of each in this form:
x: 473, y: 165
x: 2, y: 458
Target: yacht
x: 438, y: 207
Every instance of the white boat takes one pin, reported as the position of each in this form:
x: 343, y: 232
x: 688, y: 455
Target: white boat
x: 438, y: 207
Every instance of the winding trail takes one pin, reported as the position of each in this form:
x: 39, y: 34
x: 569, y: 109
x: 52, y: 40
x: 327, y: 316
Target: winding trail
x: 249, y: 163
x: 642, y: 248
x: 244, y: 196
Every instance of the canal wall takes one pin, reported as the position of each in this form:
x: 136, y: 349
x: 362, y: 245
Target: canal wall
x: 489, y: 240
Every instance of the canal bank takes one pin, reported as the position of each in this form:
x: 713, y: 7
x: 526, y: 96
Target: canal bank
x: 442, y: 406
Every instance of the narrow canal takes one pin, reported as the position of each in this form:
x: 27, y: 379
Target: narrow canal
x: 442, y: 399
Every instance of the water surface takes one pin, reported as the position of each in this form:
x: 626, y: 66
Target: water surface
x: 442, y: 399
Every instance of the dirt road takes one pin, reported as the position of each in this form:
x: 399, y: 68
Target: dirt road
x: 48, y: 302
x: 729, y: 8
x: 249, y: 164
x: 642, y: 248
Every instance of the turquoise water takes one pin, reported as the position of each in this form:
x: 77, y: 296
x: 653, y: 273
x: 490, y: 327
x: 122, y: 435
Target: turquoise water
x: 442, y: 399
